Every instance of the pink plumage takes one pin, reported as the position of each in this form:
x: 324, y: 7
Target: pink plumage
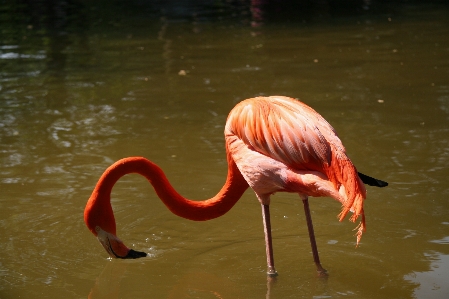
x: 281, y: 144
x: 273, y: 144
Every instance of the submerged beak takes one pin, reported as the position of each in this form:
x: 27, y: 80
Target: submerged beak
x: 115, y: 247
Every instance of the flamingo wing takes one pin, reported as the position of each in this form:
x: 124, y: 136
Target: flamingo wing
x: 294, y: 134
x: 285, y: 130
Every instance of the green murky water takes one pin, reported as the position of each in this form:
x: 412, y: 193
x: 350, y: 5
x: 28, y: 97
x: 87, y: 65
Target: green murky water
x: 84, y: 84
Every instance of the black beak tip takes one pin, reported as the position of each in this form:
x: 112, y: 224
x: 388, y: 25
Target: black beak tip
x: 133, y: 254
x: 382, y: 183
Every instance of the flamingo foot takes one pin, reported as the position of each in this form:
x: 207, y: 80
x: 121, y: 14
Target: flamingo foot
x: 271, y: 272
x: 321, y: 271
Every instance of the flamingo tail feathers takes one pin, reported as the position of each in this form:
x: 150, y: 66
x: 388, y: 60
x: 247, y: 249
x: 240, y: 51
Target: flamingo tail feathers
x: 370, y: 181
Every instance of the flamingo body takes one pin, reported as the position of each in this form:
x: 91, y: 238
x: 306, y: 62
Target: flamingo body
x: 281, y: 144
x: 273, y: 144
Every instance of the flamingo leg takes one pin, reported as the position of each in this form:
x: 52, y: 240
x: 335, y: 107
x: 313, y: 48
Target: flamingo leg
x: 271, y: 271
x: 321, y: 271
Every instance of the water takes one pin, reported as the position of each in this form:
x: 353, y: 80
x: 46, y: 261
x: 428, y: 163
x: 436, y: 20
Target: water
x: 83, y: 85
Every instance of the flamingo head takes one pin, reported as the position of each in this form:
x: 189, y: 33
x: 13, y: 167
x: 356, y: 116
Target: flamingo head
x: 115, y: 247
x: 99, y: 218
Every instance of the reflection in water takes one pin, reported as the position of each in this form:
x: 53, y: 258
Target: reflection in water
x: 107, y: 285
x: 257, y: 12
x: 196, y: 284
x: 193, y: 284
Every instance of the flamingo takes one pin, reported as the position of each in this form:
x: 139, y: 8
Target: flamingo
x: 273, y: 144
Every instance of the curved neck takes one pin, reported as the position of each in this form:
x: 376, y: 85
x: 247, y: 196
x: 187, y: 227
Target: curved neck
x: 98, y: 211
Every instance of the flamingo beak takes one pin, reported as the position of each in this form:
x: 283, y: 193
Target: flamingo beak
x: 115, y: 247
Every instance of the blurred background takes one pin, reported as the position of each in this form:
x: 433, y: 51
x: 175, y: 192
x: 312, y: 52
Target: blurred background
x: 85, y: 83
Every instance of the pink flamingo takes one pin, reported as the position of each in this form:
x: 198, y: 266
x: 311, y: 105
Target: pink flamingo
x: 273, y: 144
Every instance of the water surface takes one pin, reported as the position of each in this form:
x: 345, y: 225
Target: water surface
x: 83, y: 85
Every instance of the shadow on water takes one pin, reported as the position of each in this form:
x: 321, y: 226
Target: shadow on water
x: 83, y: 84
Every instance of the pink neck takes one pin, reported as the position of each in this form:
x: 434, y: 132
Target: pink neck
x: 98, y: 211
